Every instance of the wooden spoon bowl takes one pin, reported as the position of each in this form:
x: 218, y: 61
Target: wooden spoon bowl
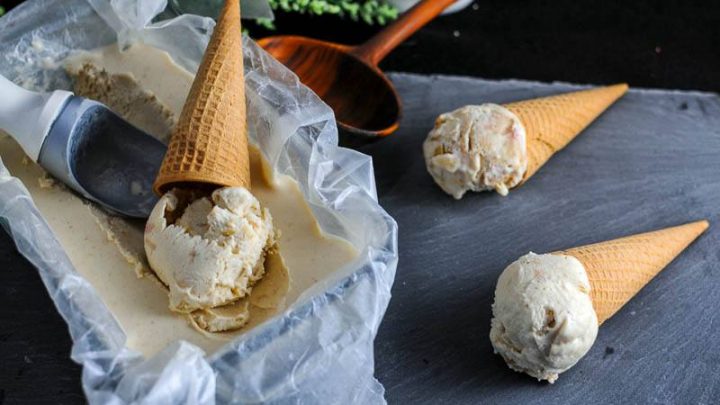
x: 364, y: 100
x: 348, y: 77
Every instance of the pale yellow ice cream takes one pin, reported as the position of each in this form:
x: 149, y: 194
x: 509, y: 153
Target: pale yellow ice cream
x: 209, y: 251
x: 476, y: 148
x: 543, y: 318
x: 147, y: 88
x: 121, y: 93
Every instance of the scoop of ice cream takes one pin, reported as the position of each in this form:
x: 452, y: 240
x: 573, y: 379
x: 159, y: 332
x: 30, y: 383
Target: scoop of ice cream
x: 543, y: 318
x: 478, y: 148
x: 208, y: 251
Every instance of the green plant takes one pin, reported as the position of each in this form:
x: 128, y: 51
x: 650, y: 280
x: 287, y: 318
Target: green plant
x: 2, y: 10
x: 370, y: 11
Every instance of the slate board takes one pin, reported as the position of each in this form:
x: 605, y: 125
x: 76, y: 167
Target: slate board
x: 651, y: 161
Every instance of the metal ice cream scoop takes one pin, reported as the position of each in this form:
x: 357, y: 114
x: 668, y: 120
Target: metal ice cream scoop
x: 85, y: 145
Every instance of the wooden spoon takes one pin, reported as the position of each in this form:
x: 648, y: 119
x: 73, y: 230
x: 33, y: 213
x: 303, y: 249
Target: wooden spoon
x: 348, y: 78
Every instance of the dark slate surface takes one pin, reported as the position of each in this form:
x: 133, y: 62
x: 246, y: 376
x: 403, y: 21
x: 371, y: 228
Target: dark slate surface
x: 653, y: 160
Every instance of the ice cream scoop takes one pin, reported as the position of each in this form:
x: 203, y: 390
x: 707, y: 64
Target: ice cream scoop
x: 85, y: 145
x: 210, y: 250
x: 476, y: 148
x: 497, y: 147
x: 543, y: 320
x: 548, y: 307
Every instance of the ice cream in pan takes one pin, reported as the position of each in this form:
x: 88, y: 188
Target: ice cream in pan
x: 147, y: 87
x: 548, y: 307
x: 498, y: 147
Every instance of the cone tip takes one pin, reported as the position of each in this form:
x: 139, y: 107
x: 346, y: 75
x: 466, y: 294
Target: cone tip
x: 703, y: 225
x: 621, y: 88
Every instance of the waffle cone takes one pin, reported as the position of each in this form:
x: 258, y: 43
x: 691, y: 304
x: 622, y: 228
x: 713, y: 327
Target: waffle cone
x: 619, y: 268
x: 552, y: 122
x: 209, y: 148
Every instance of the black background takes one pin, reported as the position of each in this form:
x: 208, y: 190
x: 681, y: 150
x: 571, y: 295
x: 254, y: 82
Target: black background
x: 650, y: 43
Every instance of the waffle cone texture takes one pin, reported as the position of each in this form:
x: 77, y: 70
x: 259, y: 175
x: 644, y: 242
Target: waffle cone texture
x: 619, y: 268
x: 208, y: 147
x: 552, y: 122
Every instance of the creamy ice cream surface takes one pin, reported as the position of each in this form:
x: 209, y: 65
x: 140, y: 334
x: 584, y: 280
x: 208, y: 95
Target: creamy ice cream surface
x: 121, y: 93
x: 209, y: 251
x: 146, y: 87
x: 477, y: 148
x: 543, y: 318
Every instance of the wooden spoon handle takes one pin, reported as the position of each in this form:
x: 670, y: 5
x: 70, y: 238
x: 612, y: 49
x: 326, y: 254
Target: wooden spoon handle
x: 374, y: 50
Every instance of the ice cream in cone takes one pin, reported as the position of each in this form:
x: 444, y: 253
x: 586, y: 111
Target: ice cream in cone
x: 497, y: 147
x: 548, y: 307
x: 208, y: 236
